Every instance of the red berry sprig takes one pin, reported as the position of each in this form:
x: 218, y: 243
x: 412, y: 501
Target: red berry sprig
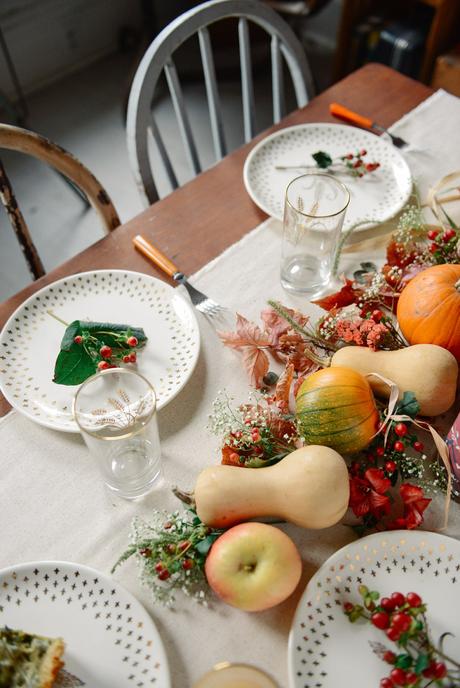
x: 443, y: 244
x: 402, y: 618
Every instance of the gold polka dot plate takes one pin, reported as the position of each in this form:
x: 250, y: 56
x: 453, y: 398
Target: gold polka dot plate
x: 375, y: 197
x: 110, y: 640
x: 327, y: 651
x: 30, y: 340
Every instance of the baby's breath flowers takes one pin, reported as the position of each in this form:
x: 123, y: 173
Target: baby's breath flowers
x: 253, y: 435
x: 171, y: 552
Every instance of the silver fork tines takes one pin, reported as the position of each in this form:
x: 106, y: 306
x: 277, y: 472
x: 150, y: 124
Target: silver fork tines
x: 201, y: 302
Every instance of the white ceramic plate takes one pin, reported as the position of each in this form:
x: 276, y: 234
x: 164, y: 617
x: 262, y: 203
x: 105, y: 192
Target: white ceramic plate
x: 376, y: 197
x: 110, y: 640
x: 322, y: 640
x: 31, y: 338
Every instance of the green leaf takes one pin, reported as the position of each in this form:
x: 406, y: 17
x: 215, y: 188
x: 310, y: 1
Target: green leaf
x: 403, y: 661
x: 421, y: 663
x: 73, y: 367
x: 322, y: 159
x: 205, y: 545
x: 374, y: 595
x: 105, y: 332
x: 408, y: 405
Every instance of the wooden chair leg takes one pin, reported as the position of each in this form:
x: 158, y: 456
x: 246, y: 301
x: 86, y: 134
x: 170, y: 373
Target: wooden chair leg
x: 19, y: 226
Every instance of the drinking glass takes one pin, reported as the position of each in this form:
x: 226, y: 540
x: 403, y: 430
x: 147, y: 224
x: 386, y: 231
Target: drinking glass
x: 226, y: 675
x: 314, y: 211
x: 116, y: 413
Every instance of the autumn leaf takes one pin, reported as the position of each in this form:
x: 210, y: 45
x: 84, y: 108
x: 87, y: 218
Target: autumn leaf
x: 256, y: 364
x: 346, y: 296
x: 247, y: 334
x: 283, y: 386
x: 276, y: 325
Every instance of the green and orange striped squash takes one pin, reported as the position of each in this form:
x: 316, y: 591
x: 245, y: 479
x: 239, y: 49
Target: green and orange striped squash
x: 335, y: 407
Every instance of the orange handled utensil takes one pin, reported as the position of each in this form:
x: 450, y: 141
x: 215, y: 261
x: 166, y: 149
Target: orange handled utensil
x: 344, y: 113
x: 202, y: 302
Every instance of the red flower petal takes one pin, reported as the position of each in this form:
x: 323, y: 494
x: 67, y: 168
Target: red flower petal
x: 377, y: 479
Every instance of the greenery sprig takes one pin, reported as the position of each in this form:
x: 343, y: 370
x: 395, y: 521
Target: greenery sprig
x: 171, y: 551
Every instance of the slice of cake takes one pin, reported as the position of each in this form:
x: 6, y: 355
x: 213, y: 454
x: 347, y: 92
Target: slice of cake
x: 28, y: 660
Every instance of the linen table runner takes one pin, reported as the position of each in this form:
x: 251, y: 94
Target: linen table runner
x: 54, y: 505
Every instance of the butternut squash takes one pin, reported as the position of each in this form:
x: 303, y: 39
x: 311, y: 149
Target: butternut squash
x: 427, y: 370
x: 309, y: 487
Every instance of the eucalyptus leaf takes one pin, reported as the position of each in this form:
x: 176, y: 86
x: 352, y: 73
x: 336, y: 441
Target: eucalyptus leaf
x: 369, y: 267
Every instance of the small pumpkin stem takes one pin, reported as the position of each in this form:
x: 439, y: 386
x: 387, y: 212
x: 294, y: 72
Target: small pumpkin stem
x: 457, y: 285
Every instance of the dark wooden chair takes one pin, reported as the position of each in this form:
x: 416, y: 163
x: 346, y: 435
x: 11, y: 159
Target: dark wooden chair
x: 25, y: 141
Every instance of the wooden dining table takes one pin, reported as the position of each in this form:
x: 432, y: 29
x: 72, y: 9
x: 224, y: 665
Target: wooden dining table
x: 198, y: 221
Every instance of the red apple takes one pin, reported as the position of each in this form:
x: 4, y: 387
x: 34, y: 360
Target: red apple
x: 253, y: 566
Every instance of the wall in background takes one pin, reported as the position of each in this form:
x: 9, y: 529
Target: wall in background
x: 51, y: 38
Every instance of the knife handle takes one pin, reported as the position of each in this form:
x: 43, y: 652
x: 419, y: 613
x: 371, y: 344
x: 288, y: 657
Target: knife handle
x: 155, y: 255
x: 353, y: 117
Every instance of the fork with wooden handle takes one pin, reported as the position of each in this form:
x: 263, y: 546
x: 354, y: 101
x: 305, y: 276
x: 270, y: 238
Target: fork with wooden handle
x: 201, y: 302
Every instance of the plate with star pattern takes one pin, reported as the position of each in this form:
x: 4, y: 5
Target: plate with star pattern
x: 322, y: 641
x: 110, y: 640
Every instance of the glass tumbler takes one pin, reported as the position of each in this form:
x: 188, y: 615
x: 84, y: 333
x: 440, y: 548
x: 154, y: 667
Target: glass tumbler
x: 314, y: 211
x: 115, y: 411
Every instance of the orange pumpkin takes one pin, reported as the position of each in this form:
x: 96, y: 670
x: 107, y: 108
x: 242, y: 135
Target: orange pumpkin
x: 335, y: 407
x: 429, y: 308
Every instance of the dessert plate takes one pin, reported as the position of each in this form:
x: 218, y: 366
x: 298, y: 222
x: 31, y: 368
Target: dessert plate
x: 31, y: 338
x: 322, y: 640
x: 375, y: 198
x: 110, y: 640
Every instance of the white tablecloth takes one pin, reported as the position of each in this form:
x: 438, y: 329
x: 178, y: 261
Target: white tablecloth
x: 54, y: 505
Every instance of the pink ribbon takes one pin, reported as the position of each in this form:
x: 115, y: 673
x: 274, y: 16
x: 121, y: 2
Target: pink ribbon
x: 441, y: 446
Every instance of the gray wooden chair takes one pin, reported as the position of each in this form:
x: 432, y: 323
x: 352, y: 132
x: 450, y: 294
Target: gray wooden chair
x: 25, y: 141
x: 158, y: 59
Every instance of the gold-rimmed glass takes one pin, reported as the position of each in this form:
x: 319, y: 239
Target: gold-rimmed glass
x: 115, y: 411
x: 314, y: 211
x: 227, y: 675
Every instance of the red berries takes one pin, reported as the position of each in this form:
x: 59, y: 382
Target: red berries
x: 433, y: 248
x: 380, y: 620
x: 380, y: 451
x: 103, y: 365
x: 164, y: 574
x: 185, y: 544
x: 448, y: 235
x: 387, y: 604
x: 401, y: 621
x: 398, y: 676
x: 401, y: 429
x: 348, y: 607
x: 188, y: 564
x: 377, y: 315
x: 132, y: 341
x: 398, y: 446
x: 418, y: 446
x: 386, y: 683
x: 159, y: 567
x: 390, y: 466
x: 78, y: 339
x: 389, y: 657
x: 105, y: 351
x: 432, y: 234
x: 411, y: 678
x: 255, y: 434
x: 398, y: 599
x: 393, y: 633
x: 413, y: 599
x: 363, y: 151
x: 145, y: 552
